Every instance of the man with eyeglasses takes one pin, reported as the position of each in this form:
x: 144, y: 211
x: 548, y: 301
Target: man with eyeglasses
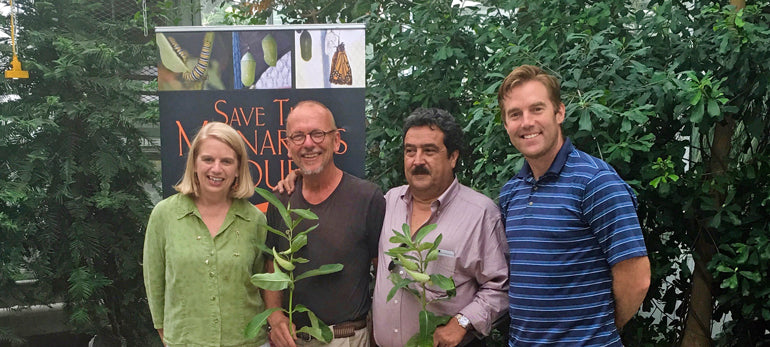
x: 472, y: 250
x: 350, y: 212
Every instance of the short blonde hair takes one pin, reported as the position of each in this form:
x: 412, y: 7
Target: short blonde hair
x: 243, y: 186
x: 526, y: 73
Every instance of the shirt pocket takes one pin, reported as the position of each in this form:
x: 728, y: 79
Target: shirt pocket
x: 444, y: 265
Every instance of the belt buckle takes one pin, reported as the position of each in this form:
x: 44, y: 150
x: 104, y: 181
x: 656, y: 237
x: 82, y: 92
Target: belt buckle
x: 304, y: 336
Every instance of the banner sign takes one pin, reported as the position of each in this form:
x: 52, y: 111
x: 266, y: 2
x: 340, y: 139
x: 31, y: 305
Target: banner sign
x: 250, y: 77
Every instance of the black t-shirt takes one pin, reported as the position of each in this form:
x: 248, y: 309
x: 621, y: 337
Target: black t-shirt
x: 348, y: 232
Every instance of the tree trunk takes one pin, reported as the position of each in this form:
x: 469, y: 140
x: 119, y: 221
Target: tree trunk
x: 697, y: 332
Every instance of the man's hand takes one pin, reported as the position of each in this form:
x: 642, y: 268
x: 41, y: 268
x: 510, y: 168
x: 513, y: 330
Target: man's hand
x: 160, y: 332
x: 279, y: 330
x: 286, y: 185
x: 449, y: 335
x: 630, y: 282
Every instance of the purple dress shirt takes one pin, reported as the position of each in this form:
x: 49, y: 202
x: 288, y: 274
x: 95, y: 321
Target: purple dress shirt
x: 473, y: 251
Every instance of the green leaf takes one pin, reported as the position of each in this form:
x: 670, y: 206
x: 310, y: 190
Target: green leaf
x: 300, y: 260
x: 445, y: 283
x: 424, y: 246
x: 422, y: 232
x: 284, y: 263
x: 418, y: 276
x: 276, y: 280
x: 306, y: 231
x: 399, y: 239
x: 306, y: 214
x: 298, y: 242
x: 398, y: 283
x: 419, y: 341
x: 716, y: 221
x: 696, y: 98
x: 436, y: 242
x: 406, y: 263
x: 713, y: 108
x: 397, y: 250
x: 722, y: 268
x: 428, y: 323
x: 751, y: 275
x: 322, y: 270
x: 731, y: 282
x: 432, y: 255
x: 273, y: 200
x: 585, y: 121
x: 317, y: 328
x: 739, y: 21
x: 697, y: 113
x: 255, y: 325
x: 276, y: 231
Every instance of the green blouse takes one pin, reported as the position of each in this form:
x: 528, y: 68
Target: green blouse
x: 197, y: 286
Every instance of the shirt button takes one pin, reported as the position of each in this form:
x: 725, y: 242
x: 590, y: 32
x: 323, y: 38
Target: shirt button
x: 211, y: 274
x: 212, y: 253
x: 534, y: 188
x: 213, y: 298
x: 206, y: 261
x: 198, y: 238
x: 395, y: 331
x: 216, y: 320
x: 395, y: 301
x: 530, y: 203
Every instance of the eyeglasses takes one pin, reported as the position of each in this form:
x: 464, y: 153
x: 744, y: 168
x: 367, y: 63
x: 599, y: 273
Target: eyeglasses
x: 317, y: 136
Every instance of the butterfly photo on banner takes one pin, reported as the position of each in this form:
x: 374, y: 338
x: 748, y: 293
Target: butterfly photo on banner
x: 340, y: 69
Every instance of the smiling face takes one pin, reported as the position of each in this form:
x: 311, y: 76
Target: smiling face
x: 427, y: 165
x: 216, y: 167
x: 312, y: 158
x: 533, y: 123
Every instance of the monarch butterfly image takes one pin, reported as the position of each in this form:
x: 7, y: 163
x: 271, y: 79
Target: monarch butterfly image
x: 340, y: 73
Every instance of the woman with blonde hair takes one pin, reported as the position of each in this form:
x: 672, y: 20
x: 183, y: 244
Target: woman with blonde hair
x: 201, y: 248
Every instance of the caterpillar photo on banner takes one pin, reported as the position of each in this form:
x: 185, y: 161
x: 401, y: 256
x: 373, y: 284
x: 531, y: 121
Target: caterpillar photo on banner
x: 203, y: 61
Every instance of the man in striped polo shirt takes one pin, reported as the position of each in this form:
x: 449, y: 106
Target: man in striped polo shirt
x: 578, y: 264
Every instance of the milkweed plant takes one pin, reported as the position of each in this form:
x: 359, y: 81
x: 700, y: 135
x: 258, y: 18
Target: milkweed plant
x: 284, y: 264
x: 413, y: 256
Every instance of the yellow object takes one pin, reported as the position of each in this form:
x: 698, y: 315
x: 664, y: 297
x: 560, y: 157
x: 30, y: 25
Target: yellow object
x: 15, y: 71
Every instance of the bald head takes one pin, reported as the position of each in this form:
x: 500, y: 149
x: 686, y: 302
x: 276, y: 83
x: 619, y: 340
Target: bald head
x: 306, y: 107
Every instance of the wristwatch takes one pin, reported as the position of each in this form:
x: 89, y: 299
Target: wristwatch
x: 463, y: 321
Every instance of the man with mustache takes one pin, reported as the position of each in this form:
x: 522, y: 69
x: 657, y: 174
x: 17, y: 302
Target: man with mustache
x: 350, y: 212
x: 472, y: 250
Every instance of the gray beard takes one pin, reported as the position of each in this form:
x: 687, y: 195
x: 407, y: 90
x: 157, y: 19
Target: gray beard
x: 312, y: 172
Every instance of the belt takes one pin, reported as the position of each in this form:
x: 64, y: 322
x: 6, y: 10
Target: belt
x: 341, y: 330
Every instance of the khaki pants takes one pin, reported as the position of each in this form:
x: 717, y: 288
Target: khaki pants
x: 360, y: 339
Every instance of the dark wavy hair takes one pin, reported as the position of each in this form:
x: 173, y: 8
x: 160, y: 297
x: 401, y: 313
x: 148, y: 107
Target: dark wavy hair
x: 441, y: 119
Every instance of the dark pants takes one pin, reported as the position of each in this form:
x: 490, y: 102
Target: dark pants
x: 475, y: 343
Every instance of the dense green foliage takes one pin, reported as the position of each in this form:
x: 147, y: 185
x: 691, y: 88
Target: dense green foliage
x: 72, y: 200
x: 673, y: 95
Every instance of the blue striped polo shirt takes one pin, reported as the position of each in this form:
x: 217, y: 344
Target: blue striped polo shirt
x: 565, y: 231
